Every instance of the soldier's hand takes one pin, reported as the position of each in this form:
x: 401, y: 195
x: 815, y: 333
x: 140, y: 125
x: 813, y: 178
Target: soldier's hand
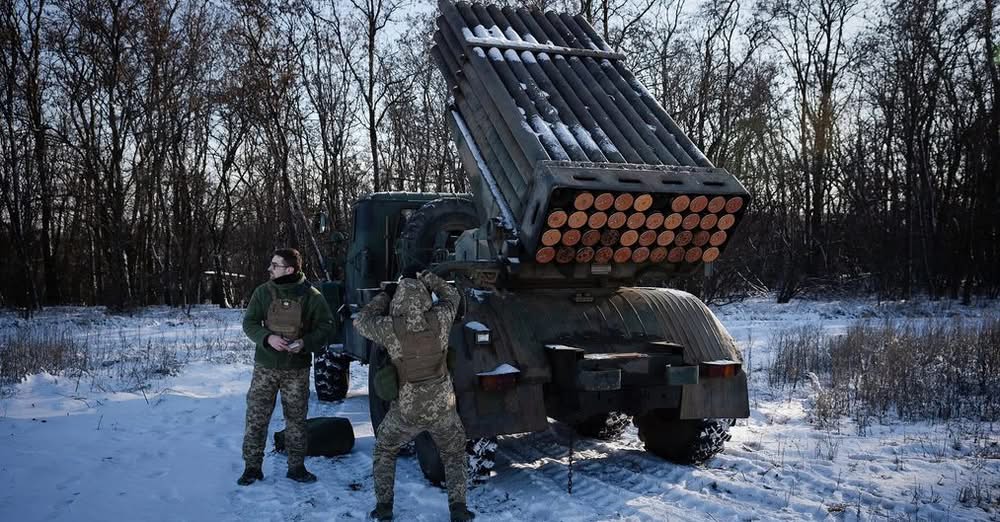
x: 277, y: 342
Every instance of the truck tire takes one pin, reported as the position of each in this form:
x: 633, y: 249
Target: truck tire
x: 331, y: 376
x: 482, y: 458
x: 429, y: 459
x: 481, y: 454
x: 605, y: 426
x: 377, y: 408
x: 430, y: 233
x: 684, y: 441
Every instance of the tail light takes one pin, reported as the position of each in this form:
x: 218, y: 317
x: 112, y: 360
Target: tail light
x: 503, y: 378
x: 720, y: 368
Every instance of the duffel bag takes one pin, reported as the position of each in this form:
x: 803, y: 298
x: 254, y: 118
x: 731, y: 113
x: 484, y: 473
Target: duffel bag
x: 325, y: 437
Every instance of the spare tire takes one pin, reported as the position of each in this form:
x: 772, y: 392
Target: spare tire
x: 331, y: 376
x: 431, y: 231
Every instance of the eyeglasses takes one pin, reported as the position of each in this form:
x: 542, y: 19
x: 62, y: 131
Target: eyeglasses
x: 275, y: 265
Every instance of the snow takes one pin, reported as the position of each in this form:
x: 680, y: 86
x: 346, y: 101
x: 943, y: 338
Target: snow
x: 503, y: 369
x: 481, y: 32
x: 92, y: 448
x: 480, y: 295
x: 476, y: 326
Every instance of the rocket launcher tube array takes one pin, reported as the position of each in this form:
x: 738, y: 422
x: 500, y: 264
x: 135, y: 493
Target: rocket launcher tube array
x: 561, y: 122
x: 538, y: 88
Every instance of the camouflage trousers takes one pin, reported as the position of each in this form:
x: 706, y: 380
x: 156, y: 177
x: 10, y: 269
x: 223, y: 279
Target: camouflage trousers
x: 294, y: 386
x: 395, y: 431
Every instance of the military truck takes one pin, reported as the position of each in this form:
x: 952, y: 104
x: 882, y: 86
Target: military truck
x: 583, y: 188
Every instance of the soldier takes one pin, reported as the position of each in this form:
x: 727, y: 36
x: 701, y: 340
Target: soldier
x: 415, y: 333
x: 288, y: 320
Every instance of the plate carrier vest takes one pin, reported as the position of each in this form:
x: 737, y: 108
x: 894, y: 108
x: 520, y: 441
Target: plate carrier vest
x: 423, y: 356
x: 284, y: 315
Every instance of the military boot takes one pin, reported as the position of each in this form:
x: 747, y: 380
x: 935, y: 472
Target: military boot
x: 459, y: 513
x: 250, y: 475
x: 382, y: 512
x: 300, y: 474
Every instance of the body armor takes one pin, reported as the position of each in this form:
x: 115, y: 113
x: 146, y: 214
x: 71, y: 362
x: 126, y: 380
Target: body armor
x: 423, y: 356
x: 284, y: 315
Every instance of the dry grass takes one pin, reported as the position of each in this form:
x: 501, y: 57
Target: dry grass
x: 943, y: 370
x: 24, y: 354
x: 121, y: 364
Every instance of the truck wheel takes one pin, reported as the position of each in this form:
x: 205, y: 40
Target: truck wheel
x: 377, y: 408
x: 429, y: 459
x: 331, y: 376
x: 430, y: 233
x: 481, y: 453
x: 482, y: 457
x: 687, y: 441
x: 604, y: 426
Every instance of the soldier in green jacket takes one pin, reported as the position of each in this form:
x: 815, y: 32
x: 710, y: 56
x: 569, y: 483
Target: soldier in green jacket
x: 288, y: 320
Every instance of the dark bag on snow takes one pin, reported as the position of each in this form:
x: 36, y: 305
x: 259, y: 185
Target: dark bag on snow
x: 325, y: 437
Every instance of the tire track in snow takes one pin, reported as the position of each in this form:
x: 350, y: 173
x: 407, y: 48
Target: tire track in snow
x: 604, y: 490
x: 617, y: 478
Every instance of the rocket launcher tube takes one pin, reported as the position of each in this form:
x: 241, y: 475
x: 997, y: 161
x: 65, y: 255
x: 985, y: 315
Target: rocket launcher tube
x: 620, y: 98
x: 550, y: 114
x: 558, y: 67
x: 573, y: 129
x: 630, y: 113
x: 503, y: 106
x: 587, y: 109
x: 488, y: 115
x: 578, y: 143
x: 494, y: 59
x: 508, y: 217
x: 665, y: 137
x: 647, y: 153
x: 503, y: 167
x: 534, y: 121
x: 668, y: 122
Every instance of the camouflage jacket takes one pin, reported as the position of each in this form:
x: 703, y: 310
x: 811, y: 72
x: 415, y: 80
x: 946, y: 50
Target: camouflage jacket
x: 421, y: 402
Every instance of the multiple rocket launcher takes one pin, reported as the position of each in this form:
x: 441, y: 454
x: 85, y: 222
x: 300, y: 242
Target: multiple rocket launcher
x: 566, y: 146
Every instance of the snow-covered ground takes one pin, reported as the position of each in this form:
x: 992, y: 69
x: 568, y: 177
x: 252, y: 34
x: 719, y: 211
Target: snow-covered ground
x: 79, y: 448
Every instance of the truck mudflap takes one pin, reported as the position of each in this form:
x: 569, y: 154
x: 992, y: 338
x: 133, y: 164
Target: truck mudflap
x: 719, y: 397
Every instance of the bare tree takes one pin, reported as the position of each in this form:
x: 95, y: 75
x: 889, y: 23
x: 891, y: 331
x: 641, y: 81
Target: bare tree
x: 813, y: 37
x: 22, y: 142
x: 327, y: 79
x: 370, y: 66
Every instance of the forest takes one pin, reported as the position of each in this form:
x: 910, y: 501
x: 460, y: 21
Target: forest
x: 157, y: 151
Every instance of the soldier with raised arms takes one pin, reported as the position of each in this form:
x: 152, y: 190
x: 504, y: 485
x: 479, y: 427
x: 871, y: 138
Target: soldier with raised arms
x: 414, y: 331
x: 288, y: 320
